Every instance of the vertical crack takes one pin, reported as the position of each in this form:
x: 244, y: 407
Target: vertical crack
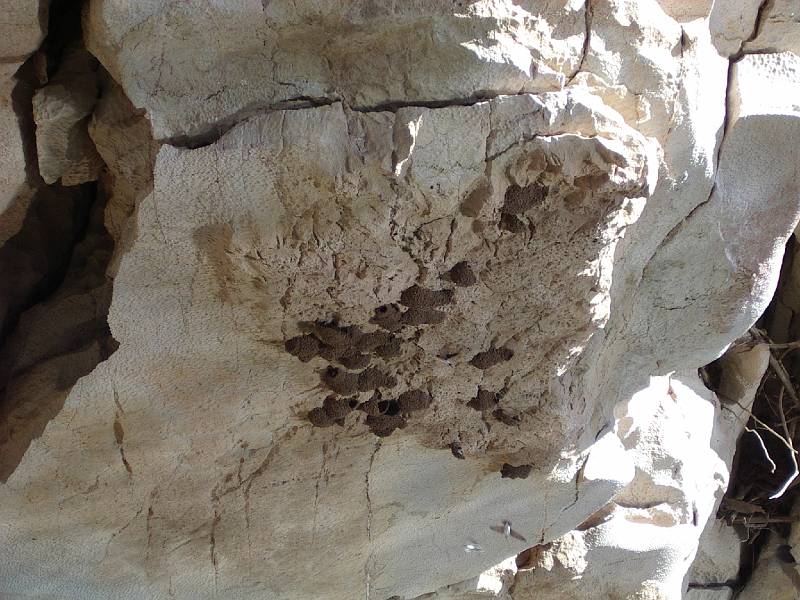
x: 212, y: 543
x: 119, y: 437
x: 368, y: 562
x: 587, y: 38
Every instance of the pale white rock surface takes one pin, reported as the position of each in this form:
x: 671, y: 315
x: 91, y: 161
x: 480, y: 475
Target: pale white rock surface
x: 196, y: 70
x: 652, y: 527
x: 211, y: 253
x: 620, y: 190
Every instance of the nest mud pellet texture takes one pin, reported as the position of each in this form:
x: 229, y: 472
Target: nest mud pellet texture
x: 461, y: 274
x: 388, y: 317
x: 390, y: 349
x: 484, y: 400
x: 304, y: 347
x: 413, y: 400
x: 520, y: 199
x: 509, y: 471
x: 384, y: 425
x: 337, y: 337
x: 491, y: 357
x: 353, y: 360
x: 340, y: 381
x: 420, y: 297
x: 337, y: 407
x: 422, y: 316
x: 511, y: 224
x: 374, y: 406
x: 505, y: 418
x: 320, y: 418
x: 374, y: 378
x: 369, y: 341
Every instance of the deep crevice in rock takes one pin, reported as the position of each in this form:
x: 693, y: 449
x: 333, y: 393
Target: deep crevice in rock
x: 54, y: 308
x: 587, y: 39
x: 62, y: 333
x: 751, y: 480
x: 220, y: 128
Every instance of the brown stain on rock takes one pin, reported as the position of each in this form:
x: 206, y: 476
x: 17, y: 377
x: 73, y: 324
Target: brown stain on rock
x: 473, y: 203
x: 214, y: 241
x: 119, y: 432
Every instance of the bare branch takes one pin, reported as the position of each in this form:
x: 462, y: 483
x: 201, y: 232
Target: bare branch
x: 780, y: 371
x: 772, y: 465
x: 792, y: 453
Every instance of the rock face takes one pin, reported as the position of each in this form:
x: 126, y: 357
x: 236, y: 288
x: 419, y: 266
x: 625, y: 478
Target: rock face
x: 61, y: 110
x: 393, y: 299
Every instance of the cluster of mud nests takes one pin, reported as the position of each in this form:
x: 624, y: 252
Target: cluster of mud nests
x: 356, y: 383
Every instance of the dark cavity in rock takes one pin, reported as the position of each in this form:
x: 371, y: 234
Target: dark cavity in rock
x: 509, y: 471
x: 457, y: 450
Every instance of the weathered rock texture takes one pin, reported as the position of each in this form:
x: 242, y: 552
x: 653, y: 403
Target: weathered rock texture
x: 357, y: 283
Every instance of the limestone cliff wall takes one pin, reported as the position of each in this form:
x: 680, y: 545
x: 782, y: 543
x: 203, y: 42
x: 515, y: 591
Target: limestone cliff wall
x: 382, y: 299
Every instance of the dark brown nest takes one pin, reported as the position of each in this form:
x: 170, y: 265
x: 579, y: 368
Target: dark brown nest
x: 491, y: 357
x: 420, y: 297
